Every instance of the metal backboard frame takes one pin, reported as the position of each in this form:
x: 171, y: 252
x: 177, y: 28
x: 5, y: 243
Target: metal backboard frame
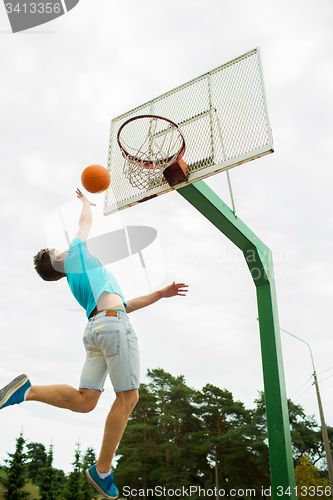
x: 223, y: 116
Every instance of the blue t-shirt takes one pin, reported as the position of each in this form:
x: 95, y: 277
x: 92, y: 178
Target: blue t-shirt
x: 86, y: 276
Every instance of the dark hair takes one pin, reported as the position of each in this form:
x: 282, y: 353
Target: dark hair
x: 48, y: 270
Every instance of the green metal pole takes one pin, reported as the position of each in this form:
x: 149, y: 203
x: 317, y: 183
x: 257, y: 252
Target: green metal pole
x: 280, y: 451
x: 259, y: 260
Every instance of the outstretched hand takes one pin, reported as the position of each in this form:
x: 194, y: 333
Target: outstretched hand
x: 175, y: 289
x: 83, y: 198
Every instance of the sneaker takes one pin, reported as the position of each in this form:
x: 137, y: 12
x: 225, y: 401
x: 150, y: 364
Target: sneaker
x: 13, y: 393
x: 103, y: 486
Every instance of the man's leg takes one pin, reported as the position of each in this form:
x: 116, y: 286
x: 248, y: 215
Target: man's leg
x: 114, y: 427
x: 65, y: 396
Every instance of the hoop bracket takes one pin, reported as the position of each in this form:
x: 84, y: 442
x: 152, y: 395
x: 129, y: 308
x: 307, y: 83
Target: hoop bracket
x: 176, y: 173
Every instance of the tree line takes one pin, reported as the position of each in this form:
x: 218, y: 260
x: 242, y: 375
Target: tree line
x: 176, y: 437
x: 29, y: 474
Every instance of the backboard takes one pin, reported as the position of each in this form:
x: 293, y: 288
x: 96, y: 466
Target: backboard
x: 223, y: 117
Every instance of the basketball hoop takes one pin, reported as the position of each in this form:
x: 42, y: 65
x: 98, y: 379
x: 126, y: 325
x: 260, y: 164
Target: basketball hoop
x: 152, y: 147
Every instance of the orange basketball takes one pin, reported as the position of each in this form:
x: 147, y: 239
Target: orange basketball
x: 95, y: 179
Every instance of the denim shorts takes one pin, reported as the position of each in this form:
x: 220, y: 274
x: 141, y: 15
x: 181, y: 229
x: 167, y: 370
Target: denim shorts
x: 111, y: 347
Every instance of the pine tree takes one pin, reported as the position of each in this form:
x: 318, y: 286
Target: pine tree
x: 228, y: 437
x: 177, y: 422
x: 59, y: 482
x: 46, y: 479
x: 15, y: 479
x: 37, y: 458
x: 73, y: 487
x: 306, y: 435
x: 157, y: 447
x: 89, y: 459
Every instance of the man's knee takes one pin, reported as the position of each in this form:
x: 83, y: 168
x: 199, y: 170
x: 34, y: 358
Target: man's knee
x: 128, y: 399
x: 88, y: 406
x: 89, y: 400
x: 135, y: 398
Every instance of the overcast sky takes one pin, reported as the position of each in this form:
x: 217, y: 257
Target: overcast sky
x: 61, y: 84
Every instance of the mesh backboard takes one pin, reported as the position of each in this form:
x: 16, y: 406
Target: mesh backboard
x: 223, y: 117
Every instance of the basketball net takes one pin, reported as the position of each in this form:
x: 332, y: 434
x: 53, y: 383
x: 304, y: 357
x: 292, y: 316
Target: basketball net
x: 149, y: 144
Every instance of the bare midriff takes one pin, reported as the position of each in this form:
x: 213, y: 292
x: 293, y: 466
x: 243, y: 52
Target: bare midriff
x: 109, y: 301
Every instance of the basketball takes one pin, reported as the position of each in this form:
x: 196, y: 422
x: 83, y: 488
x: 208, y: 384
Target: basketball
x: 95, y: 179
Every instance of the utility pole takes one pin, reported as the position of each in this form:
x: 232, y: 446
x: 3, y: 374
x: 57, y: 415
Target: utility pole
x: 325, y: 435
x: 322, y: 419
x: 216, y: 475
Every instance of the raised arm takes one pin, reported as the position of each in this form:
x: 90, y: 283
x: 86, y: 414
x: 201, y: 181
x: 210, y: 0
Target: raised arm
x: 146, y: 300
x: 86, y: 218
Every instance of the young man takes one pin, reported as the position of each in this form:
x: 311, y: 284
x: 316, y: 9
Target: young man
x: 110, y: 342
